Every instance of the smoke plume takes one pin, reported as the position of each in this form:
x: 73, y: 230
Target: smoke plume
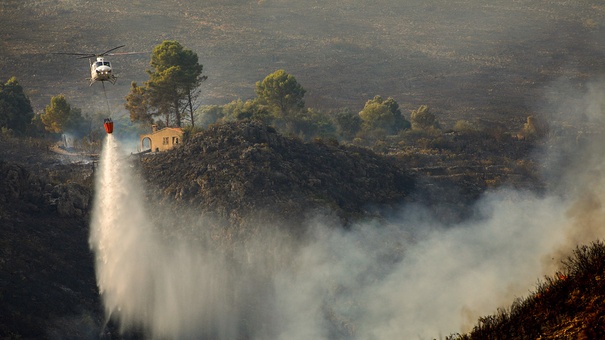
x: 407, y: 277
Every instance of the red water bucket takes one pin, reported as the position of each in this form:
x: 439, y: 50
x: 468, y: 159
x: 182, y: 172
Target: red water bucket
x: 108, y: 127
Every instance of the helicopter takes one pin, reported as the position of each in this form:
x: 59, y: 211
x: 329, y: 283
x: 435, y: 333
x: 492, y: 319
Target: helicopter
x: 100, y: 69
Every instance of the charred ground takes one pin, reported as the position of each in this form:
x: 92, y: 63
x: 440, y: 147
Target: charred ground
x: 240, y: 172
x: 46, y: 268
x: 241, y: 169
x: 466, y: 59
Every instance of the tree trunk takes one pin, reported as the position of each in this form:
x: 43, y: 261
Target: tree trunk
x: 190, y: 101
x: 177, y: 113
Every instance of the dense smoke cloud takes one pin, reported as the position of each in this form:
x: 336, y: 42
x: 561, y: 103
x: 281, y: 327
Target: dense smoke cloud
x: 414, y: 279
x: 408, y: 276
x: 574, y: 162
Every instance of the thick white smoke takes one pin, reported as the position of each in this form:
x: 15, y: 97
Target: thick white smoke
x: 417, y: 279
x: 408, y: 277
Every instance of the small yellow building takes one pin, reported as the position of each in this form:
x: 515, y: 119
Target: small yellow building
x: 161, y: 140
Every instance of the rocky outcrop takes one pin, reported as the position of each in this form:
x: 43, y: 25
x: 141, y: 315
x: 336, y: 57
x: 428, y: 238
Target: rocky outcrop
x: 47, y: 281
x: 72, y: 200
x: 239, y: 169
x: 29, y: 191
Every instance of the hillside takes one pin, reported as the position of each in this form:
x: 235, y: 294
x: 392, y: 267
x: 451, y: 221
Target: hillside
x: 245, y: 169
x: 245, y: 172
x: 47, y: 284
x: 241, y: 172
x: 567, y: 305
x: 490, y: 63
x: 466, y: 59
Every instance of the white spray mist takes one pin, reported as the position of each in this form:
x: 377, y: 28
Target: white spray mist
x: 169, y: 291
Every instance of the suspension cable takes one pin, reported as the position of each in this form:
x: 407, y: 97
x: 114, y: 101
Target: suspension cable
x: 106, y: 100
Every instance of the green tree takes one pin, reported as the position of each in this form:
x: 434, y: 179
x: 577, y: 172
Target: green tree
x: 16, y: 112
x: 382, y: 115
x: 280, y: 91
x: 38, y: 127
x: 423, y: 119
x: 59, y: 116
x: 235, y: 110
x: 347, y: 123
x: 250, y: 109
x: 209, y: 114
x: 137, y: 105
x: 92, y: 129
x: 310, y: 124
x: 174, y: 78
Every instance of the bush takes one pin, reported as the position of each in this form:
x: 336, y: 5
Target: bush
x: 463, y: 126
x: 190, y: 131
x: 423, y: 119
x: 382, y: 115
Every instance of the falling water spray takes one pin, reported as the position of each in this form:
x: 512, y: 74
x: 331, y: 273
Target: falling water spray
x: 118, y: 225
x: 168, y: 292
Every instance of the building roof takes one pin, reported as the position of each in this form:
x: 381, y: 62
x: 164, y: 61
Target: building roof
x: 173, y: 129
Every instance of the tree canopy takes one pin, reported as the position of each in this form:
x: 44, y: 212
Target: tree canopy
x: 282, y: 92
x: 59, y: 116
x: 347, y: 123
x: 250, y: 109
x: 380, y: 114
x: 174, y: 77
x: 16, y: 112
x: 423, y: 119
x: 137, y: 104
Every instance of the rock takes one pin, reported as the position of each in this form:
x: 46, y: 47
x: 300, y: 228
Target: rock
x: 27, y: 191
x: 73, y: 201
x: 240, y: 168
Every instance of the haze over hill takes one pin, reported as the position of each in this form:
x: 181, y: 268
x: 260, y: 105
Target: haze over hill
x: 465, y: 58
x: 403, y: 275
x: 406, y: 274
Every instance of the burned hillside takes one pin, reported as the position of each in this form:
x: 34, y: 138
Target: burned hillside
x: 46, y: 268
x: 244, y: 169
x: 567, y: 305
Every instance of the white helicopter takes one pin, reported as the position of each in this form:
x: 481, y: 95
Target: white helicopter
x: 100, y: 70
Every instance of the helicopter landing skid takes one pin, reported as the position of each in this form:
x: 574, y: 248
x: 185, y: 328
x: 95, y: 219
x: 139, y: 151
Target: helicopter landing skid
x: 112, y: 80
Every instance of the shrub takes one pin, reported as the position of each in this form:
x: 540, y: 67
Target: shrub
x: 423, y: 119
x: 383, y: 115
x: 464, y: 126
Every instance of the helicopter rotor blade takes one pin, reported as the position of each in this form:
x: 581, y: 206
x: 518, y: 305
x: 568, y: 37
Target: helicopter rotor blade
x: 93, y: 55
x: 126, y: 53
x: 106, y: 52
x: 81, y: 55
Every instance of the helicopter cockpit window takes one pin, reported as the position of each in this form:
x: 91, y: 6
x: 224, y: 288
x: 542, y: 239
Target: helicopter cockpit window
x: 106, y: 63
x: 99, y: 63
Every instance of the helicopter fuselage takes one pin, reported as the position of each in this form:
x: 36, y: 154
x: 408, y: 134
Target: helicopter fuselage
x: 100, y: 70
